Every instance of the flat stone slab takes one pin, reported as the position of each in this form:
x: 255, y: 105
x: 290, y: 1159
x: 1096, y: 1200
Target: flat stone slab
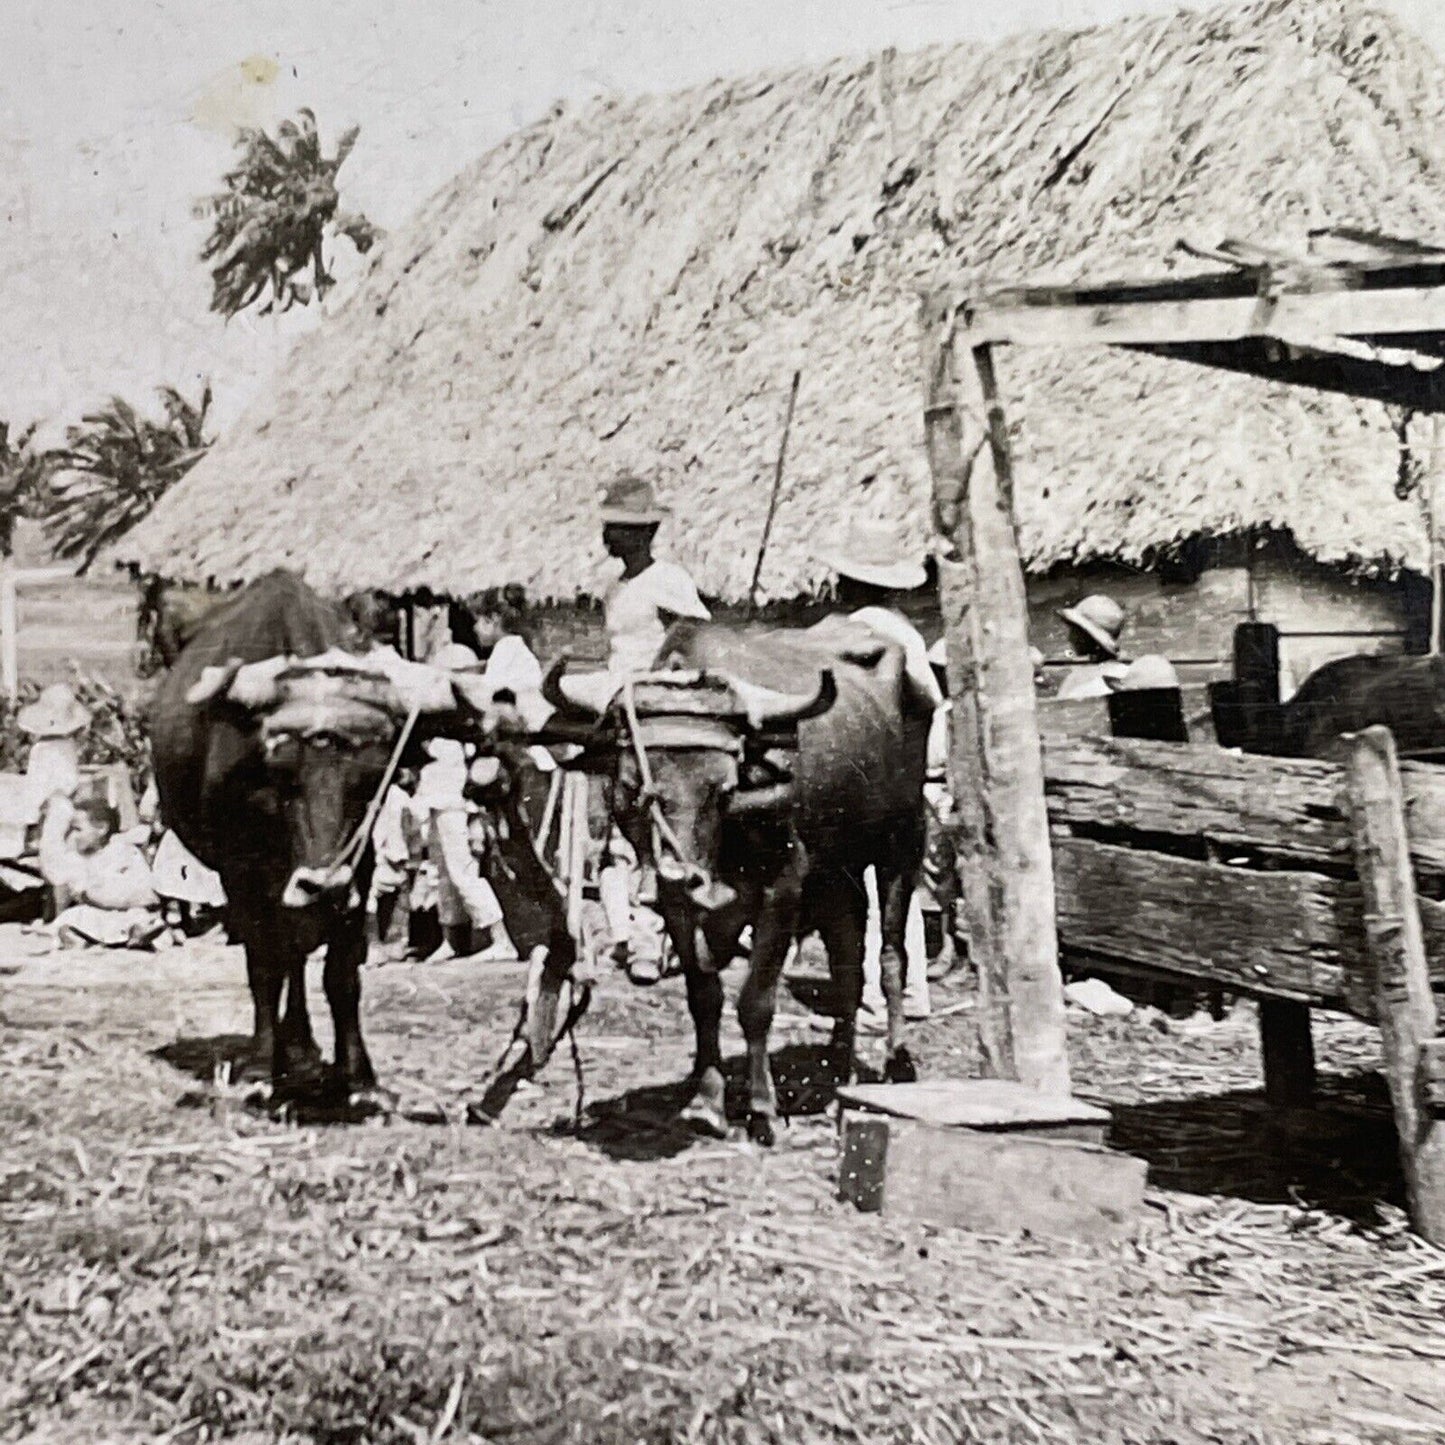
x: 992, y: 1104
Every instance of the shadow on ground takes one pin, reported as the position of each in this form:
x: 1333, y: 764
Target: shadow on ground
x: 1341, y: 1157
x: 642, y: 1123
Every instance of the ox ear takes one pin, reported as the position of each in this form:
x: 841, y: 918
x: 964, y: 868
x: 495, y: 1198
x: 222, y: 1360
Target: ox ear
x: 214, y: 682
x: 586, y: 697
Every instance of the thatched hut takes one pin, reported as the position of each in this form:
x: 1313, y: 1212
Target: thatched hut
x: 632, y: 286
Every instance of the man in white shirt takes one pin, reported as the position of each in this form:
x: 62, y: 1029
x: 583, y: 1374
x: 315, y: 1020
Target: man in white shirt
x: 875, y: 571
x: 637, y: 611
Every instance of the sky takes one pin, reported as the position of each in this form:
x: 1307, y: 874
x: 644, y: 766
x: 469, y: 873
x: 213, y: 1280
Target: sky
x: 117, y: 114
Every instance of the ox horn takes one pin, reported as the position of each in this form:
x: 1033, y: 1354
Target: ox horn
x: 579, y: 697
x: 214, y: 682
x: 251, y: 684
x: 767, y: 708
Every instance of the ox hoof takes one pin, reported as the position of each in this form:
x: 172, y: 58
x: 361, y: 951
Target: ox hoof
x: 372, y: 1102
x: 258, y: 1094
x: 899, y: 1067
x: 763, y: 1129
x: 703, y: 1117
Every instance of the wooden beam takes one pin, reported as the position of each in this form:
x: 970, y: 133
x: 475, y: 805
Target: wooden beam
x: 1404, y: 1004
x: 1370, y: 379
x: 1287, y: 811
x: 1276, y: 934
x: 1058, y: 322
x: 996, y: 763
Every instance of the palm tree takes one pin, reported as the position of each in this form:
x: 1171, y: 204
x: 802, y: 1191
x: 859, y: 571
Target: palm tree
x: 24, y: 474
x: 272, y: 221
x: 115, y: 466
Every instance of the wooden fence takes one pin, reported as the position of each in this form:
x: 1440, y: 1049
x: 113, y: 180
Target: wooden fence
x: 1304, y: 884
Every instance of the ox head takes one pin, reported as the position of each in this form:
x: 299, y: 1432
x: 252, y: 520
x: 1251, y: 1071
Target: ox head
x: 685, y: 759
x: 327, y: 727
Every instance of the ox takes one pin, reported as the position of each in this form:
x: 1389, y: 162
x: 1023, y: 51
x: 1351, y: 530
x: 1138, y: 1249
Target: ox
x: 744, y: 831
x: 271, y: 748
x: 1404, y: 694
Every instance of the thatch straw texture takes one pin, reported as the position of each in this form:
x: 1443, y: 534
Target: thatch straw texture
x: 631, y: 288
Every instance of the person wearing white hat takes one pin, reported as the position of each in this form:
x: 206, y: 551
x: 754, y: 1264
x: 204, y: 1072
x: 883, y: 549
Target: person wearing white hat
x: 1094, y: 625
x: 467, y: 908
x: 875, y: 571
x: 637, y: 609
x: 54, y: 723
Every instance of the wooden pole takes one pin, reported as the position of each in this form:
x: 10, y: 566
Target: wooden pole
x: 1432, y: 522
x: 773, y: 500
x: 9, y: 632
x: 996, y: 763
x: 1404, y: 1005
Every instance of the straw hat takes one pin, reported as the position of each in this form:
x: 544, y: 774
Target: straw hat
x: 1146, y: 674
x: 630, y: 502
x: 56, y: 713
x: 872, y: 552
x: 1097, y: 617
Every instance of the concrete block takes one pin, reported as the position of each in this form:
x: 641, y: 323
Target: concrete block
x: 990, y: 1181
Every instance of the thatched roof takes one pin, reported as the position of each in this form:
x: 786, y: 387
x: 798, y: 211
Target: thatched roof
x: 632, y: 287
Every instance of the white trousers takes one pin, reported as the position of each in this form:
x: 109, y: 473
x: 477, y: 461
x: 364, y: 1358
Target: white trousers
x: 915, y: 969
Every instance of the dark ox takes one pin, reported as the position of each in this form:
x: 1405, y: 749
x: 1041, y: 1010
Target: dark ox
x: 748, y: 825
x: 1404, y: 694
x: 267, y: 767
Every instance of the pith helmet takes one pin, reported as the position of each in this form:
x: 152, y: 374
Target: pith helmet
x: 1097, y: 617
x: 872, y: 552
x: 56, y: 713
x: 631, y: 502
x: 1146, y: 674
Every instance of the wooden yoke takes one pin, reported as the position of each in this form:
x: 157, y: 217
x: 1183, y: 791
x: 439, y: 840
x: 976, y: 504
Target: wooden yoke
x: 996, y: 763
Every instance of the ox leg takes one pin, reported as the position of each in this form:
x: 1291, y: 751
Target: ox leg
x: 706, y: 1109
x: 772, y: 934
x: 299, y: 1052
x: 265, y: 974
x: 895, y: 890
x: 345, y: 953
x: 841, y: 915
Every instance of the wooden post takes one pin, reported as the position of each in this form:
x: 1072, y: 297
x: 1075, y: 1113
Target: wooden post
x: 996, y: 763
x: 1432, y: 523
x: 1256, y: 674
x: 1286, y: 1044
x: 1288, y: 1049
x: 9, y: 632
x: 1396, y: 949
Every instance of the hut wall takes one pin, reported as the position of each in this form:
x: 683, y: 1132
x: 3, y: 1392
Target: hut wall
x: 1192, y: 622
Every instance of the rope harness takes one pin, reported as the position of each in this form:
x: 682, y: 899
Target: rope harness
x: 351, y: 851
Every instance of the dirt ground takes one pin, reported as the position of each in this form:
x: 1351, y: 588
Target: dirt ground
x: 174, y: 1266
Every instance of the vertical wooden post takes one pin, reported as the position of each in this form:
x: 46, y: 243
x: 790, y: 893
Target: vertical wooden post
x: 1288, y: 1049
x: 996, y: 762
x: 1396, y: 951
x: 9, y: 632
x: 1256, y: 673
x: 1432, y: 523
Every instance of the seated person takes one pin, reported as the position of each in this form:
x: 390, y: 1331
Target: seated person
x: 101, y: 880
